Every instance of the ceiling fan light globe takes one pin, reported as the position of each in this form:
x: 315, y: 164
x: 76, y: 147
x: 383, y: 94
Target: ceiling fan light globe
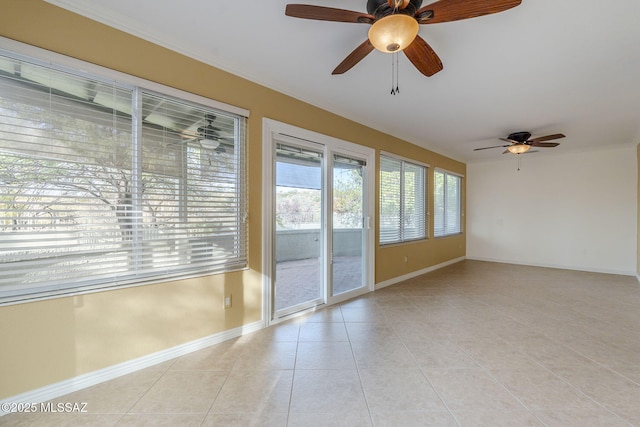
x: 209, y: 144
x: 393, y: 33
x: 518, y: 148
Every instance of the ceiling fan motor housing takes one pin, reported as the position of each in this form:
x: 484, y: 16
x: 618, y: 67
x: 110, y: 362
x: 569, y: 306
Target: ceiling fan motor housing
x: 381, y: 8
x: 209, y: 131
x: 520, y: 136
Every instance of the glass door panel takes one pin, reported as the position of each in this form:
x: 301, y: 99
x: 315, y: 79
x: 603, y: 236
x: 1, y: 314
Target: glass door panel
x: 299, y: 278
x: 348, y: 234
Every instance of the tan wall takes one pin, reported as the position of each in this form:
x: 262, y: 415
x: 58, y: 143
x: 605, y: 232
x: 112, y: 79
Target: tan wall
x: 49, y: 341
x: 638, y: 233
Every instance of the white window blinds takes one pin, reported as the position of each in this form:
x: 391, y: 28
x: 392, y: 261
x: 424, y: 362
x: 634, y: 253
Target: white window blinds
x: 447, y: 215
x: 103, y: 184
x: 414, y: 202
x: 402, y: 200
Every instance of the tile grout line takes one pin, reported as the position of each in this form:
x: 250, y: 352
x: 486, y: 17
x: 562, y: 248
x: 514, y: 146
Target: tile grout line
x: 355, y: 362
x: 293, y: 377
x: 420, y: 368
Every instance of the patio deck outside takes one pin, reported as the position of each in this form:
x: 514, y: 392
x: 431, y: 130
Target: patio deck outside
x: 298, y: 267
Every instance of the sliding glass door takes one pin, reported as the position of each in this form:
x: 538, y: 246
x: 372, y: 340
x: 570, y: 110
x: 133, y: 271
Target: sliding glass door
x: 318, y: 235
x: 299, y: 260
x: 348, y: 224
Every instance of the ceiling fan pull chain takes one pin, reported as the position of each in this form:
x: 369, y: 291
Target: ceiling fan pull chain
x: 397, y: 73
x: 393, y: 77
x: 394, y: 74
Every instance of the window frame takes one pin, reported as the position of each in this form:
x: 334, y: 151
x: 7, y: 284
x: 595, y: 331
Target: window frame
x: 402, y: 238
x: 60, y: 63
x: 460, y: 213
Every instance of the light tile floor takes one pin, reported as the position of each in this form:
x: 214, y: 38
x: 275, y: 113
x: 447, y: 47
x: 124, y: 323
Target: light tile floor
x: 473, y: 344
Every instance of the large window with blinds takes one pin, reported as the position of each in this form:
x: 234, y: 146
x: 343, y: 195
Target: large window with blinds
x: 402, y: 200
x: 105, y: 184
x: 447, y: 214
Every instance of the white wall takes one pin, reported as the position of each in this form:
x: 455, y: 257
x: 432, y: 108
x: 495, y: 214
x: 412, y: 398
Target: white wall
x: 573, y: 210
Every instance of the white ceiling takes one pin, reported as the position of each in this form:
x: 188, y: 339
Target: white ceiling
x: 545, y: 66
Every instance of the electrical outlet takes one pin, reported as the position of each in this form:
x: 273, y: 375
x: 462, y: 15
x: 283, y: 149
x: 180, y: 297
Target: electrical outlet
x: 406, y: 258
x: 227, y: 301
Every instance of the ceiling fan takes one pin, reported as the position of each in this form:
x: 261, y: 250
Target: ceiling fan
x: 520, y: 143
x: 208, y: 136
x: 395, y: 25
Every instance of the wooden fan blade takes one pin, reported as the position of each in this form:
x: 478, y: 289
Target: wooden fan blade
x: 322, y: 13
x: 454, y: 10
x: 486, y: 148
x: 511, y: 141
x: 543, y: 144
x: 547, y: 138
x: 423, y: 57
x: 354, y: 57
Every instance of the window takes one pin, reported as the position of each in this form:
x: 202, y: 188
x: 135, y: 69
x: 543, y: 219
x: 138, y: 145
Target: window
x: 402, y: 200
x: 447, y: 215
x: 104, y: 184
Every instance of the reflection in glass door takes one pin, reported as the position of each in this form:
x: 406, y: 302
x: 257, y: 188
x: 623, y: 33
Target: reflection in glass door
x: 299, y: 278
x: 348, y: 236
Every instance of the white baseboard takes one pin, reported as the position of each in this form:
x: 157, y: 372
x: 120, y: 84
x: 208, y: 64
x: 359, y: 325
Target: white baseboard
x: 80, y: 382
x: 557, y: 266
x: 413, y: 274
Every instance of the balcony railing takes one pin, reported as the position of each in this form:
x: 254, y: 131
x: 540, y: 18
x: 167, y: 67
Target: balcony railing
x: 293, y: 245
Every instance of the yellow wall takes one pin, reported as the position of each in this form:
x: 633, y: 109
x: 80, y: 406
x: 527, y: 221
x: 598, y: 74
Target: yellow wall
x: 48, y: 341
